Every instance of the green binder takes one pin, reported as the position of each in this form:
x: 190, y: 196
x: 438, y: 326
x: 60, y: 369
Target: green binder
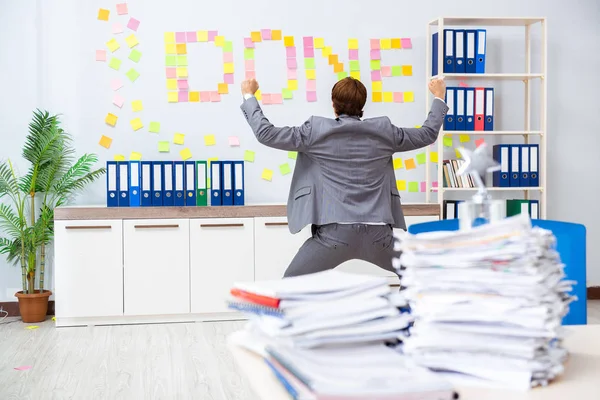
x: 516, y: 207
x: 201, y: 187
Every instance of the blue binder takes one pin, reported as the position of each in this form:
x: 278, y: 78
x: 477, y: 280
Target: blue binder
x: 112, y: 184
x: 134, y: 184
x: 227, y: 183
x: 515, y: 165
x: 157, y: 183
x: 471, y: 49
x: 450, y: 120
x: 434, y: 53
x: 469, y: 109
x: 215, y: 184
x: 489, y: 109
x: 501, y: 153
x: 448, y: 51
x: 534, y: 209
x: 190, y: 183
x: 534, y: 165
x: 238, y: 183
x: 481, y: 50
x: 524, y: 180
x: 179, y: 183
x: 460, y: 109
x: 459, y: 51
x: 168, y: 193
x: 146, y: 184
x: 123, y: 171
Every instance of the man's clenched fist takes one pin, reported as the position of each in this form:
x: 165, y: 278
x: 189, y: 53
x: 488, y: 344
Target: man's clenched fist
x: 249, y: 86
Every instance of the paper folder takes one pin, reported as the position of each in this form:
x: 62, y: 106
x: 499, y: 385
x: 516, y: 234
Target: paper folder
x: 190, y: 183
x: 168, y: 193
x: 215, y: 181
x: 146, y: 200
x: 201, y: 187
x: 112, y: 184
x: 449, y: 120
x: 179, y: 179
x: 238, y: 183
x: 134, y: 184
x: 123, y: 171
x: 157, y: 183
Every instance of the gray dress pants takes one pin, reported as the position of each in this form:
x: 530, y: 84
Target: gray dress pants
x: 334, y: 244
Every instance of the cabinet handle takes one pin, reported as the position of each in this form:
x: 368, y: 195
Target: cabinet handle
x: 83, y: 227
x: 276, y: 223
x: 155, y: 226
x: 221, y: 225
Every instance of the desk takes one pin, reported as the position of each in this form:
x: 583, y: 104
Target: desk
x: 581, y: 380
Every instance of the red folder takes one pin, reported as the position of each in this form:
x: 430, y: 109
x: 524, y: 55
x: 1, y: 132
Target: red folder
x: 479, y: 109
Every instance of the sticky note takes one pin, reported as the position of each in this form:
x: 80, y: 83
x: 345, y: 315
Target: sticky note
x: 194, y: 97
x: 333, y: 59
x: 375, y: 64
x: 133, y: 24
x: 293, y: 73
x: 182, y: 84
x: 136, y: 105
x: 154, y: 127
x: 409, y: 164
x: 205, y: 97
x: 448, y: 141
x: 388, y: 97
x: 115, y: 63
x: 256, y: 37
x: 308, y: 41
x: 318, y: 43
x: 423, y: 186
x: 234, y: 141
x: 119, y: 157
x: 376, y: 54
x: 171, y: 61
x: 32, y: 327
x: 210, y: 140
x: 292, y: 155
x: 479, y: 142
x: 228, y: 46
x: 342, y: 75
x: 172, y: 84
x: 288, y: 41
x: 401, y: 185
x: 118, y: 100
x: 376, y: 75
x: 111, y: 119
x: 182, y: 61
x: 249, y: 65
x: 135, y: 55
x: 228, y: 57
x: 185, y: 154
x: 397, y: 70
x: 228, y: 78
x: 377, y: 97
x: 258, y: 95
x: 178, y: 138
x: 182, y: 97
x: 353, y: 43
x: 249, y: 156
x: 398, y: 163
x: 117, y: 28
x: 228, y: 68
x: 311, y: 74
x: 458, y: 155
x: 355, y: 75
x: 309, y: 52
x: 413, y: 187
x: 100, y: 55
x: 433, y: 156
x: 406, y: 43
x: 180, y: 37
x: 309, y: 63
x: 248, y: 54
x: 386, y: 71
x: 276, y: 34
x: 285, y: 169
x: 191, y: 37
x: 223, y: 88
x: 421, y: 158
x: 267, y: 175
x: 219, y: 41
x: 266, y: 34
x: 113, y: 45
x: 182, y: 72
x: 212, y: 35
x: 248, y: 43
x: 311, y: 96
x: 407, y: 70
x: 311, y: 85
x: 409, y: 97
x: 181, y: 48
x: 287, y: 94
x: 276, y: 98
x: 164, y: 147
x: 292, y: 63
x: 375, y: 44
x: 292, y: 84
x: 136, y: 124
x: 215, y: 97
x: 169, y: 37
x: 122, y: 8
x: 377, y: 86
x: 398, y: 97
x: 434, y: 184
x: 135, y: 156
x: 326, y: 51
x: 116, y: 84
x: 386, y: 44
x: 132, y: 74
x: 464, y: 138
x: 103, y: 14
x: 105, y: 142
x: 396, y: 44
x: 353, y: 54
x: 354, y: 65
x: 131, y: 41
x: 251, y: 75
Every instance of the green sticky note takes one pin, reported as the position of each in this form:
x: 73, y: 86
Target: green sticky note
x: 132, y: 74
x: 228, y: 47
x: 342, y: 75
x: 171, y: 61
x: 448, y: 141
x: 354, y: 65
x: 115, y: 63
x: 413, y: 187
x: 375, y: 65
x: 309, y: 63
x: 249, y: 156
x: 135, y: 55
x: 164, y: 147
x: 421, y: 158
x: 182, y: 61
x: 292, y: 155
x: 248, y: 54
x: 285, y: 169
x: 397, y: 70
x: 154, y: 127
x: 287, y: 94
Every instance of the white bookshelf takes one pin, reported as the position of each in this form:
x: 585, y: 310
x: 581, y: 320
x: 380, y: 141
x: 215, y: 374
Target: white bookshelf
x: 528, y: 78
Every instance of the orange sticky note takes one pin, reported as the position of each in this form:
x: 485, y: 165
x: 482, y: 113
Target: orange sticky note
x: 111, y: 119
x: 181, y: 48
x: 338, y: 67
x: 223, y: 88
x: 396, y: 44
x: 288, y: 41
x: 194, y: 97
x: 333, y: 59
x: 398, y: 163
x: 105, y: 142
x: 256, y: 36
x: 377, y: 97
x: 276, y: 34
x: 401, y: 185
x: 410, y: 164
x: 185, y: 154
x: 103, y: 14
x: 407, y: 70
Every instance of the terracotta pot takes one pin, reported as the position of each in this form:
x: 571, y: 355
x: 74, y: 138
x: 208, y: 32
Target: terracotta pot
x: 33, y: 307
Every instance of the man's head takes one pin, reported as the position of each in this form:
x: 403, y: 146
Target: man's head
x: 349, y: 97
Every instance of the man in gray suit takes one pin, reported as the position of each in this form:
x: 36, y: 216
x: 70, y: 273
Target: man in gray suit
x: 344, y: 182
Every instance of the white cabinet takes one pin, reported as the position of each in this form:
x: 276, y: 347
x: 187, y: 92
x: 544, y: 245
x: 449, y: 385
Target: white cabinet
x: 156, y: 266
x: 275, y: 246
x: 89, y: 268
x: 221, y: 253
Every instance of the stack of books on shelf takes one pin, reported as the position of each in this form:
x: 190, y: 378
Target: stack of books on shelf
x: 331, y: 335
x: 451, y: 179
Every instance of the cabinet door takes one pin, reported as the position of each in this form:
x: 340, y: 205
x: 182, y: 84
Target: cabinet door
x: 221, y: 253
x: 275, y: 246
x: 88, y: 268
x: 156, y: 266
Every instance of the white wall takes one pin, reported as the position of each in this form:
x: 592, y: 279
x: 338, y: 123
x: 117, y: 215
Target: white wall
x: 58, y: 39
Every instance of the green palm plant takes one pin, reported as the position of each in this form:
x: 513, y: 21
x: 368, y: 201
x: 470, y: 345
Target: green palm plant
x: 53, y: 178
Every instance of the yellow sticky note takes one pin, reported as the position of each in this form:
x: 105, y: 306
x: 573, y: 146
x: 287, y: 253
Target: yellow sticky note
x: 219, y: 41
x: 458, y: 154
x: 258, y: 95
x: 185, y: 154
x: 172, y: 84
x: 311, y: 74
x: 377, y: 86
x: 386, y: 44
x: 256, y: 36
x: 170, y: 48
x: 103, y: 14
x: 181, y: 48
x: 326, y: 51
x: 288, y: 41
x: 208, y: 161
x: 410, y: 164
x: 292, y: 155
x: 136, y: 124
x: 202, y: 36
x: 448, y: 140
x: 401, y: 185
x: 396, y: 44
x: 319, y: 43
x: 355, y: 75
x: 285, y: 169
x: 169, y: 37
x: 409, y: 97
x: 136, y: 105
x: 194, y: 97
x: 249, y: 155
x: 377, y: 97
x: 154, y: 127
x: 179, y: 138
x: 464, y: 138
x: 433, y: 156
x: 119, y: 157
x: 32, y: 327
x: 292, y: 84
x: 131, y: 41
x: 407, y: 70
x: 267, y: 175
x: 173, y: 97
x: 388, y: 97
x: 228, y: 68
x: 113, y: 45
x: 183, y: 73
x: 135, y: 156
x: 164, y: 147
x: 353, y: 44
x: 223, y: 88
x: 398, y: 163
x: 276, y: 34
x: 111, y: 119
x: 105, y: 142
x: 210, y: 140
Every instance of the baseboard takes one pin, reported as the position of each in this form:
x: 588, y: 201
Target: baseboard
x: 593, y: 293
x: 12, y: 308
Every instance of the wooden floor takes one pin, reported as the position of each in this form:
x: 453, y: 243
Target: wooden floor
x: 137, y: 362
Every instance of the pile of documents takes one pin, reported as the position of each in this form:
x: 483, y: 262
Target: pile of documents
x: 332, y: 335
x: 487, y: 303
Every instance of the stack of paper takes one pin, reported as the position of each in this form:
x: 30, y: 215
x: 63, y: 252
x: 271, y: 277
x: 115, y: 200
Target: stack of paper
x: 487, y: 303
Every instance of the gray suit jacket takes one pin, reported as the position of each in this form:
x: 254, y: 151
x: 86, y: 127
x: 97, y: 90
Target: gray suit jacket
x: 344, y: 170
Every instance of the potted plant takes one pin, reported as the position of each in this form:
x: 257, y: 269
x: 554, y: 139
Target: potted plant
x: 53, y: 178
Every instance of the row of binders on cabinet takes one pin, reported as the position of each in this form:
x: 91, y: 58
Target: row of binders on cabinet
x: 469, y: 109
x: 513, y: 207
x: 463, y: 51
x: 174, y: 183
x: 451, y: 177
x: 519, y: 165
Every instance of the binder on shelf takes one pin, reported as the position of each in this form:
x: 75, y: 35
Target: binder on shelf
x: 481, y: 50
x: 215, y: 182
x: 238, y: 183
x: 534, y: 209
x: 201, y: 186
x: 146, y: 200
x: 524, y: 180
x: 501, y: 154
x: 123, y: 171
x: 470, y: 44
x: 459, y: 52
x: 521, y: 206
x: 112, y: 184
x: 534, y: 165
x: 450, y: 120
x: 168, y: 192
x: 134, y: 184
x: 190, y: 183
x: 434, y: 54
x: 451, y: 209
x: 179, y: 183
x: 157, y: 183
x: 479, y: 108
x: 515, y: 165
x: 227, y: 183
x: 489, y: 109
x: 460, y: 109
x: 448, y: 51
x: 470, y: 109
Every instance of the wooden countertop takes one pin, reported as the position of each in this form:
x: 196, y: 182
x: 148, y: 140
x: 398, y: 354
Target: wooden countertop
x: 249, y: 211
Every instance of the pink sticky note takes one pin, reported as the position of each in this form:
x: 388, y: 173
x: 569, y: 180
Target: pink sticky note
x: 183, y: 97
x: 375, y: 55
x: 117, y: 28
x: 23, y: 368
x: 118, y: 100
x: 182, y: 84
x: 100, y: 55
x: 309, y: 52
x: 479, y: 142
x: 133, y: 24
x: 311, y: 85
x: 266, y: 34
x: 353, y: 54
x: 376, y: 75
x: 180, y: 37
x: 250, y: 75
x: 228, y: 78
x: 311, y: 96
x: 122, y: 9
x: 249, y: 65
x: 171, y: 73
x: 434, y: 184
x: 292, y: 63
x: 277, y: 98
x: 215, y: 97
x: 374, y: 44
x: 234, y: 140
x: 386, y: 71
x: 266, y: 98
x: 308, y: 41
x: 462, y: 84
x: 191, y: 37
x: 248, y: 43
x: 292, y: 74
x: 212, y: 35
x: 398, y: 97
x: 290, y: 52
x: 205, y: 97
x: 228, y: 57
x: 423, y: 186
x: 406, y: 43
x: 116, y: 84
